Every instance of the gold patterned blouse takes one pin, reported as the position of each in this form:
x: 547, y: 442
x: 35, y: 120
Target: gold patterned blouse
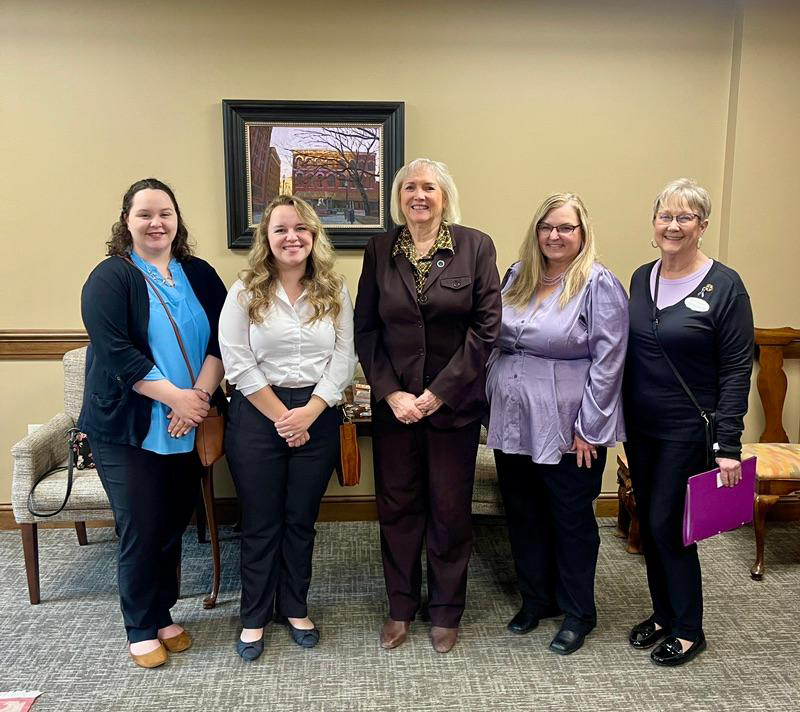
x: 404, y: 245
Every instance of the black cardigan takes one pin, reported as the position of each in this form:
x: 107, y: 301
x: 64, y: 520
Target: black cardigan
x: 712, y: 350
x: 115, y: 306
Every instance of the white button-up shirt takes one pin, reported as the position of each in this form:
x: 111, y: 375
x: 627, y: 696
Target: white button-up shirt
x: 284, y: 349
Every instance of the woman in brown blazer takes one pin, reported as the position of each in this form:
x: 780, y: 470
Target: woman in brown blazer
x: 426, y: 317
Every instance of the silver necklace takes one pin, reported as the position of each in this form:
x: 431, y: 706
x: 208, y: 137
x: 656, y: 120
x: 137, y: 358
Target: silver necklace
x: 550, y: 281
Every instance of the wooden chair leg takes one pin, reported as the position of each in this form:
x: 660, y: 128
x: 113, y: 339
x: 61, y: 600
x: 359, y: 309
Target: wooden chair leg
x: 30, y: 549
x: 634, y: 537
x: 763, y: 503
x: 623, y: 518
x: 200, y: 517
x: 211, y: 517
x: 80, y: 530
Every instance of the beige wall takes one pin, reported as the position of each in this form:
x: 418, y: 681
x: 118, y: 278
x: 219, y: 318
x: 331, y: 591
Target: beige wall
x: 610, y: 99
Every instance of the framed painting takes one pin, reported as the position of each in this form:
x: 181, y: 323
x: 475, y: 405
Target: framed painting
x: 340, y: 157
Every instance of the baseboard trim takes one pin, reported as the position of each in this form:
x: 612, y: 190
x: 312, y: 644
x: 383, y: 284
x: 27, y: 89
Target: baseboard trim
x: 361, y: 508
x: 39, y: 344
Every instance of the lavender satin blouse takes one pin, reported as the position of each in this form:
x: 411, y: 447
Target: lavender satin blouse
x: 557, y: 372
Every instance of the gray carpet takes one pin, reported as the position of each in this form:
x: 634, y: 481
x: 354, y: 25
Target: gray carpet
x: 71, y: 646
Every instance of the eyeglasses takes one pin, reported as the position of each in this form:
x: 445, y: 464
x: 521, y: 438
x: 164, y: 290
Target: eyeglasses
x: 564, y: 230
x: 682, y: 219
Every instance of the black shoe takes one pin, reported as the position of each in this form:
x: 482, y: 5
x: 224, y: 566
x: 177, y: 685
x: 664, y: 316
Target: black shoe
x: 523, y: 622
x: 567, y: 641
x: 304, y: 638
x: 670, y: 652
x: 250, y: 651
x: 646, y: 635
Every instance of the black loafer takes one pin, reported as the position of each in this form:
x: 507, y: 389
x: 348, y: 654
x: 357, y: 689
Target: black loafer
x: 670, y: 652
x: 249, y: 651
x: 304, y: 638
x: 645, y: 634
x: 567, y: 641
x: 523, y: 622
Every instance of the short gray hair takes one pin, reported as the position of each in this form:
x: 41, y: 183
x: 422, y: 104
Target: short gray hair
x: 452, y: 209
x: 685, y: 190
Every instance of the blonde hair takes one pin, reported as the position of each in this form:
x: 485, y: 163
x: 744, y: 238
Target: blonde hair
x: 532, y: 262
x: 260, y: 279
x: 451, y: 212
x: 685, y: 190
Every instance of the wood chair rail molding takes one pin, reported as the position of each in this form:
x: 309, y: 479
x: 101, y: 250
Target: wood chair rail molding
x: 39, y: 344
x: 774, y: 345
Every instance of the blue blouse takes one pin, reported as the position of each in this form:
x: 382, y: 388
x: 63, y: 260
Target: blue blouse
x: 169, y: 362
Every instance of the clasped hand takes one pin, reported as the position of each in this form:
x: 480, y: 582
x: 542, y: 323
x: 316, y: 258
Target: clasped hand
x: 189, y: 407
x: 408, y: 408
x: 293, y: 426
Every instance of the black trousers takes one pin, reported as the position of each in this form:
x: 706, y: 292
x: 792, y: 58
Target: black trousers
x: 152, y: 497
x: 659, y: 471
x: 423, y: 490
x: 553, y: 533
x: 280, y: 489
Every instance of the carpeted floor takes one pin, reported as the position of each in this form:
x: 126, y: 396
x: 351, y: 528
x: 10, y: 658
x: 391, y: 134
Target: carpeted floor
x: 71, y: 646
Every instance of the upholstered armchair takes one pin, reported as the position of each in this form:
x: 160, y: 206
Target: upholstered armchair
x: 43, y: 450
x: 778, y: 464
x: 486, y: 497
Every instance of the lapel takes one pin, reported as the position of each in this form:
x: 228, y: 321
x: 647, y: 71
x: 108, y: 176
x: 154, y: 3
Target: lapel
x: 407, y: 274
x: 440, y: 262
x: 403, y: 267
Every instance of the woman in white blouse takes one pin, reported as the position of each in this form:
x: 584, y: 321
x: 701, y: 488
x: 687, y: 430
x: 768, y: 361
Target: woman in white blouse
x: 286, y: 337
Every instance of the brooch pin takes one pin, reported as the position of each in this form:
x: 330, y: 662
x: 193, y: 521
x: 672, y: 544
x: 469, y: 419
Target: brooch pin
x: 707, y: 288
x: 440, y: 263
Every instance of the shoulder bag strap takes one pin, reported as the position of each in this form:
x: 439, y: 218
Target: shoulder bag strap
x: 71, y: 434
x: 169, y: 316
x: 700, y: 409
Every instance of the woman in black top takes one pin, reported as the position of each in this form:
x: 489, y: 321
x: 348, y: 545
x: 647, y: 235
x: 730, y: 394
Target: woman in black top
x: 141, y: 405
x: 704, y: 323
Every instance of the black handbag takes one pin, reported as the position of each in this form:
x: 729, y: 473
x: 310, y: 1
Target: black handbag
x: 79, y: 457
x: 709, y: 417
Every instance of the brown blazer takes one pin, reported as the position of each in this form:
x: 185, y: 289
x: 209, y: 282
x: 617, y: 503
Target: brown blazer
x: 440, y: 341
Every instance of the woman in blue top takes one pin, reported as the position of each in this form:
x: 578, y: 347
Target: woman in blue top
x: 141, y: 407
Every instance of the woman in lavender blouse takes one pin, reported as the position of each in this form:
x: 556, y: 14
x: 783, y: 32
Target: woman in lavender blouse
x: 553, y: 385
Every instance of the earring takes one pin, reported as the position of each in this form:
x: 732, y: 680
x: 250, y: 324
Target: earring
x: 653, y: 243
x: 699, y: 242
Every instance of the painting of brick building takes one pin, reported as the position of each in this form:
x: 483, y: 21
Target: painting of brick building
x: 337, y: 169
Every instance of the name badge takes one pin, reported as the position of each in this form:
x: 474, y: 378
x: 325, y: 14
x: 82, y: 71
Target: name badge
x: 696, y: 304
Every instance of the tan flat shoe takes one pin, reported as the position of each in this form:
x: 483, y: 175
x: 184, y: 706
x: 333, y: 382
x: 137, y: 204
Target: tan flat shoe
x: 443, y: 639
x: 153, y: 659
x: 178, y: 643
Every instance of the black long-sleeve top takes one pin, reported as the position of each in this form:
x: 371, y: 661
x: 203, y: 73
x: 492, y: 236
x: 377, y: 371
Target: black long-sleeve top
x: 115, y: 306
x: 712, y: 350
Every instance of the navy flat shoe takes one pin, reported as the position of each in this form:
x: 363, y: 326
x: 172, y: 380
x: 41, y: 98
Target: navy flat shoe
x: 567, y: 641
x: 249, y: 651
x: 304, y: 638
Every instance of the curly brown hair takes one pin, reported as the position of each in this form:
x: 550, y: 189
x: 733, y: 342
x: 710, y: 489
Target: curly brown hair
x: 121, y: 240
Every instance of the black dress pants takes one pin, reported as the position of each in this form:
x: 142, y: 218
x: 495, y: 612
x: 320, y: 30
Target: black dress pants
x: 152, y: 497
x: 423, y: 490
x: 553, y: 533
x: 280, y: 489
x: 659, y: 471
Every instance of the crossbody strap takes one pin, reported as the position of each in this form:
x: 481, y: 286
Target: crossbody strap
x: 700, y: 409
x: 152, y: 286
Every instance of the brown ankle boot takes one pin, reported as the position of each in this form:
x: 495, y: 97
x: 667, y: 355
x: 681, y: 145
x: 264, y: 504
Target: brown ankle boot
x: 443, y: 639
x: 394, y: 633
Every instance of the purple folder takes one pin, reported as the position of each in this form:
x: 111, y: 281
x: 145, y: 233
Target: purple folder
x: 711, y: 509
